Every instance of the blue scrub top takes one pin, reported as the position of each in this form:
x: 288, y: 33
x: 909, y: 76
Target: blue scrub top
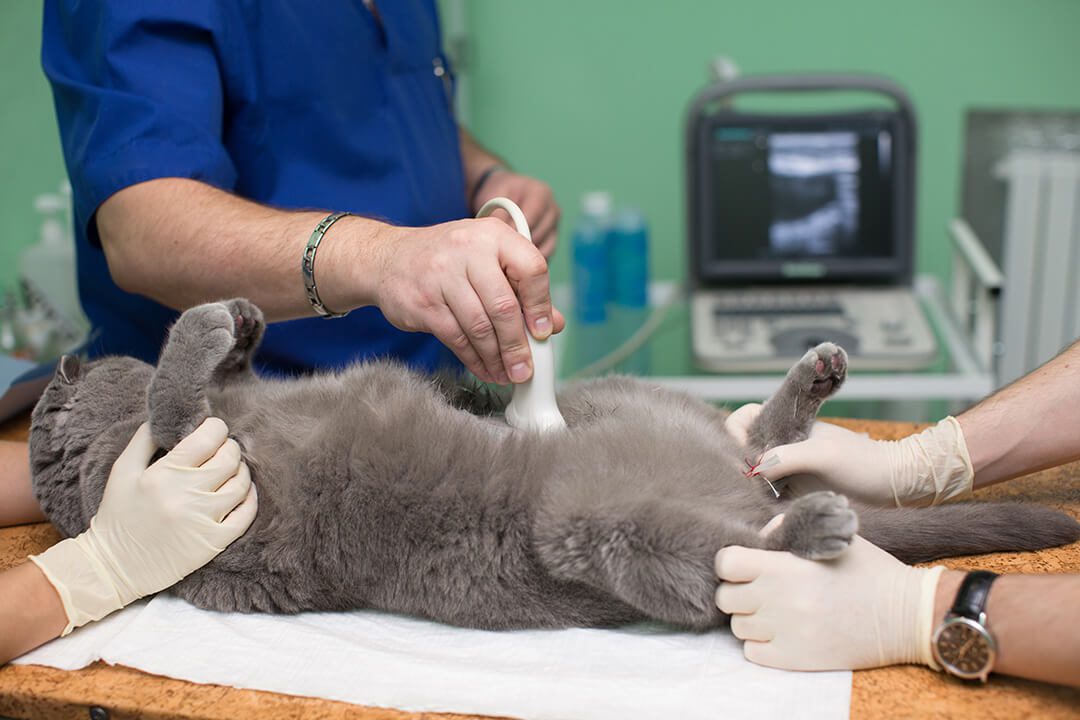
x: 292, y: 104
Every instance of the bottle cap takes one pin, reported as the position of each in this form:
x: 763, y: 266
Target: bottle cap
x: 597, y: 203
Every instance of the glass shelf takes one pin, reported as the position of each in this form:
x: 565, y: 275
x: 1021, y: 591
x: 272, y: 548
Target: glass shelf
x: 666, y: 358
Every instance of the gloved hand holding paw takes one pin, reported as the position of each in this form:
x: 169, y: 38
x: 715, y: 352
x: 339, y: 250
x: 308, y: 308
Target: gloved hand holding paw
x: 922, y: 469
x: 863, y: 609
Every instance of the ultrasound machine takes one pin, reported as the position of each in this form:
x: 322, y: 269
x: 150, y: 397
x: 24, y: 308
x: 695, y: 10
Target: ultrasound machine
x: 800, y: 229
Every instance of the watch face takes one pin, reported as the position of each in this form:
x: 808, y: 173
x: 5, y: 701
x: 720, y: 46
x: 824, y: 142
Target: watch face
x: 965, y: 648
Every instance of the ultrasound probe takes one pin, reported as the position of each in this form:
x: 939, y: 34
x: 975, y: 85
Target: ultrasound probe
x: 533, y: 405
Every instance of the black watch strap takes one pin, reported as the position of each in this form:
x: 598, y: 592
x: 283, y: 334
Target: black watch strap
x: 973, y: 593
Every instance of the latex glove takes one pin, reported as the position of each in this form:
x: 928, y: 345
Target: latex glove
x: 864, y: 609
x: 923, y: 469
x: 155, y: 524
x: 535, y: 199
x: 738, y: 422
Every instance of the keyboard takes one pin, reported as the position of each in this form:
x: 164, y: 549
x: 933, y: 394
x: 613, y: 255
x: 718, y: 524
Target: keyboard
x: 778, y: 303
x: 768, y: 329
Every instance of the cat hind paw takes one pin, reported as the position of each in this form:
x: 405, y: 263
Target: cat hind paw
x: 819, y: 526
x: 823, y: 370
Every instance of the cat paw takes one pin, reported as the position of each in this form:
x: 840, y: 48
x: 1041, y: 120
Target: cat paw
x: 248, y: 327
x: 822, y: 370
x: 224, y: 335
x: 205, y: 331
x: 819, y: 526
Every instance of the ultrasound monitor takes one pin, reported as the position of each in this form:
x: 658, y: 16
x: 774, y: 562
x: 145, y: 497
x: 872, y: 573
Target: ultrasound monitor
x: 817, y: 199
x: 799, y: 229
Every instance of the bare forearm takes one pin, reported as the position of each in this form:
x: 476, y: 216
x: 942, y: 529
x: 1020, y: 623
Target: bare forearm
x: 182, y: 242
x: 1035, y: 620
x: 30, y: 611
x: 467, y: 282
x: 476, y: 160
x: 1032, y: 424
x: 17, y: 502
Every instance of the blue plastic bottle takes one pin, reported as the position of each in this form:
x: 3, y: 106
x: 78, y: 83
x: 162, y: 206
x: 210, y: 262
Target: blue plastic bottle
x: 629, y: 259
x: 590, y: 333
x: 590, y: 272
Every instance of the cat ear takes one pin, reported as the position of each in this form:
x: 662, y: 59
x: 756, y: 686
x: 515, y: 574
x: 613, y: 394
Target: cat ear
x: 68, y: 369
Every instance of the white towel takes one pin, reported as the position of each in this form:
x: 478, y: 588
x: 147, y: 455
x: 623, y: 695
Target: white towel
x: 373, y: 658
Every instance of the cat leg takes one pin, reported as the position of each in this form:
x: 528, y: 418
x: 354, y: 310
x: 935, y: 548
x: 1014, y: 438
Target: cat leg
x: 201, y: 349
x: 787, y: 416
x: 248, y: 333
x: 656, y: 558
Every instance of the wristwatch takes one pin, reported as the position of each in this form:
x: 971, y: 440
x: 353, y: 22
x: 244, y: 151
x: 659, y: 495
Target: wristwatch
x: 962, y: 643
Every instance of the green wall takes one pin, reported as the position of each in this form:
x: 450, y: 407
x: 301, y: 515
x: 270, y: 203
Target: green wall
x: 591, y: 94
x: 30, y: 159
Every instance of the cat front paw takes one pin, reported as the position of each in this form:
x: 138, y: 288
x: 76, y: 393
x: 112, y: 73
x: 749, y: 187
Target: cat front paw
x: 248, y: 327
x: 819, y: 526
x: 205, y: 331
x: 223, y: 334
x: 822, y: 370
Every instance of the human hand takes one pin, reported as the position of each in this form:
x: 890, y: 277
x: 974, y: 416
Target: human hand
x: 927, y: 468
x: 468, y: 283
x: 535, y: 199
x: 864, y: 609
x: 739, y: 421
x: 155, y: 524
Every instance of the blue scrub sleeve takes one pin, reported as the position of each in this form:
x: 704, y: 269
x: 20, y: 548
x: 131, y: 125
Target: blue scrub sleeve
x: 138, y: 92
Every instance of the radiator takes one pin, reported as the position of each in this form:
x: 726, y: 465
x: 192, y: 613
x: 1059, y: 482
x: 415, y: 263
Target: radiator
x: 1039, y: 305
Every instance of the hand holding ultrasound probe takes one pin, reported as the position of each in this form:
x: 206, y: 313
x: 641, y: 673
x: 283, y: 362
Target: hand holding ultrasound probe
x: 533, y: 406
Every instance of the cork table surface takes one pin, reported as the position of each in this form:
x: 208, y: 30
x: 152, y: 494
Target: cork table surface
x: 899, y: 692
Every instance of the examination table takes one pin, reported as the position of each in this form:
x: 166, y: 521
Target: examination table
x: 102, y: 691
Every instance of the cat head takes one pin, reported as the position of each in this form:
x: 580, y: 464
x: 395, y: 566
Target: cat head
x: 80, y: 402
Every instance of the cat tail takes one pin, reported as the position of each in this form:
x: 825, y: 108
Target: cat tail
x: 968, y: 528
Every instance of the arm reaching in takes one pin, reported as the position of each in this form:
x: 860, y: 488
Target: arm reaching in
x: 487, y: 176
x: 467, y: 282
x: 1025, y: 427
x: 155, y: 525
x: 19, y: 504
x: 867, y: 609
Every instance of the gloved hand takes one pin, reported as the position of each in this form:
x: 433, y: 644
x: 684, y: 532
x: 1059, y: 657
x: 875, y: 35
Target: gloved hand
x: 739, y: 421
x: 864, y: 609
x: 923, y: 469
x: 155, y: 524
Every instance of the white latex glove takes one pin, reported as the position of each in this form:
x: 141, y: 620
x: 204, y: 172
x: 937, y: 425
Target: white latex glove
x: 923, y: 469
x: 864, y: 609
x: 739, y: 421
x: 155, y: 524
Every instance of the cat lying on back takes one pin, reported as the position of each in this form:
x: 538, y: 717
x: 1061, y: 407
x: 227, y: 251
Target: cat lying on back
x: 378, y: 488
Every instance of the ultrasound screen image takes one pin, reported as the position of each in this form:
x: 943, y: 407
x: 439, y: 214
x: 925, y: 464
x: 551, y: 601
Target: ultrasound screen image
x: 797, y: 195
x: 814, y: 180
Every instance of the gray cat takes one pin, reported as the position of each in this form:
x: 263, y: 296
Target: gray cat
x: 382, y: 488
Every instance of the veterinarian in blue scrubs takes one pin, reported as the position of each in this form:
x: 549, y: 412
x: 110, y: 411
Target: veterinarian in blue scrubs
x: 209, y: 145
